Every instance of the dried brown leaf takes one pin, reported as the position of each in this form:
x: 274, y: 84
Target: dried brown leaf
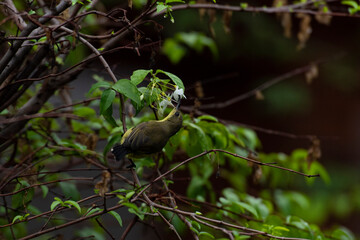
x: 227, y: 15
x: 286, y: 23
x: 103, y: 184
x: 314, y: 152
x: 199, y: 90
x: 323, y: 18
x: 259, y: 95
x: 304, y: 29
x: 312, y: 74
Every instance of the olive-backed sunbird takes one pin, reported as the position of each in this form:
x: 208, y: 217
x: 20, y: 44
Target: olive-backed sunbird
x: 148, y: 137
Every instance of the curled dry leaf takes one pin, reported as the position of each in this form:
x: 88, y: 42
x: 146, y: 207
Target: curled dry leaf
x: 323, y: 18
x: 304, y: 30
x: 87, y: 139
x: 314, y: 152
x: 285, y: 18
x: 202, y: 11
x: 312, y: 74
x: 227, y: 19
x: 212, y: 19
x: 286, y: 23
x: 199, y: 90
x: 103, y: 184
x: 259, y: 95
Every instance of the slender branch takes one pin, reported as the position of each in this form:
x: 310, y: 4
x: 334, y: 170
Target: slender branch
x: 46, y: 183
x: 39, y: 115
x: 267, y: 84
x: 294, y: 8
x: 69, y: 223
x: 227, y: 232
x: 6, y: 68
x: 129, y: 227
x: 49, y: 212
x: 19, y: 21
x: 103, y: 227
x: 227, y: 152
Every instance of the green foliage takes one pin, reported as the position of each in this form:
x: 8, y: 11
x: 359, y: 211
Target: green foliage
x: 354, y: 6
x: 164, y: 6
x: 67, y: 203
x: 117, y: 217
x: 174, y: 48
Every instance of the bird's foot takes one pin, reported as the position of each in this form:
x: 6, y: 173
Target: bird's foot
x: 132, y: 164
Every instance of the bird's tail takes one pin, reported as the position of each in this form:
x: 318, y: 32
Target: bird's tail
x: 119, y: 151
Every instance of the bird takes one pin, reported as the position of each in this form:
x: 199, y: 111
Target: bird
x: 148, y: 137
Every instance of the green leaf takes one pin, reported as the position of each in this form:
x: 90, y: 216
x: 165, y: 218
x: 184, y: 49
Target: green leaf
x: 160, y: 7
x: 97, y: 85
x: 196, y: 225
x: 128, y: 89
x: 117, y: 217
x: 22, y: 198
x: 106, y: 100
x: 205, y: 235
x: 200, y: 137
x: 138, y: 76
x: 45, y: 190
x: 248, y: 208
x: 174, y: 78
x: 352, y: 4
x: 208, y: 118
x: 129, y: 194
x: 73, y: 203
x: 84, y: 111
x: 243, y: 5
x: 173, y: 50
x: 70, y: 190
x: 92, y: 211
x: 172, y: 1
x: 54, y: 204
x: 109, y: 118
x: 343, y: 234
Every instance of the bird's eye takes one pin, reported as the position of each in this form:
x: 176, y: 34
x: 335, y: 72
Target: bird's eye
x: 177, y: 114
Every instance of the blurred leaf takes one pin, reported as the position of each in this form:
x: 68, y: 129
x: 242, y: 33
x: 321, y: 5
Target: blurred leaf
x: 70, y: 190
x: 343, y: 233
x: 100, y: 84
x: 111, y: 142
x: 84, y: 111
x: 208, y: 118
x: 173, y: 50
x: 45, y: 190
x: 205, y: 235
x: 22, y: 198
x: 92, y: 211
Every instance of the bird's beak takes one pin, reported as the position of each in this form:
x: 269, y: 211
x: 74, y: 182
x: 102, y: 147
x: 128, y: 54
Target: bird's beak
x: 178, y: 104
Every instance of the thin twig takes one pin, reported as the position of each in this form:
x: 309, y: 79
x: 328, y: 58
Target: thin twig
x: 103, y: 227
x: 129, y: 227
x: 224, y: 151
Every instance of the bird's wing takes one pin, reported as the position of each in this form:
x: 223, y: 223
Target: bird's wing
x: 138, y: 137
